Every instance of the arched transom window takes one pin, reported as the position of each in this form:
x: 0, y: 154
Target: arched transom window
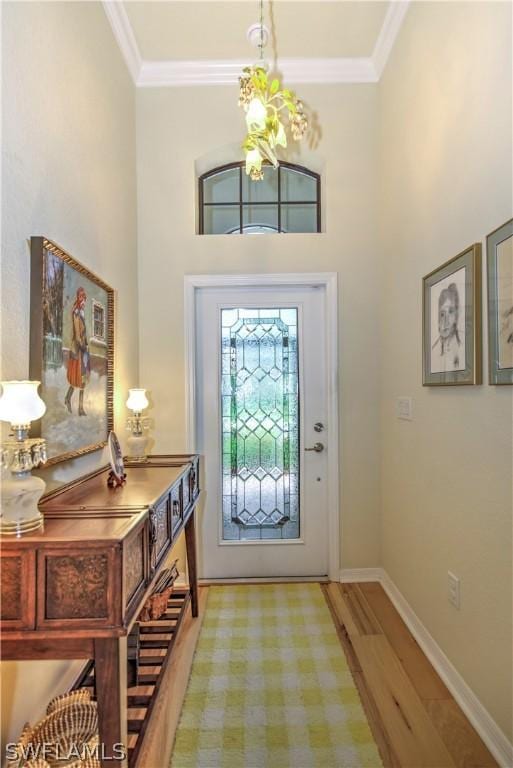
x: 286, y: 200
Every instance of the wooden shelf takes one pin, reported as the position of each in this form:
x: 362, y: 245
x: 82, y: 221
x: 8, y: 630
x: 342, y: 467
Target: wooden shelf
x: 157, y: 640
x: 76, y: 587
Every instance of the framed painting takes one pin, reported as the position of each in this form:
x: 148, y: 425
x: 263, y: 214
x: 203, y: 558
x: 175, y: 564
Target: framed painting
x: 451, y: 349
x: 499, y: 257
x: 71, y: 351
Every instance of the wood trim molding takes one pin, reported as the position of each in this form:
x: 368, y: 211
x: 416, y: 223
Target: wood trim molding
x: 485, y: 725
x: 169, y: 73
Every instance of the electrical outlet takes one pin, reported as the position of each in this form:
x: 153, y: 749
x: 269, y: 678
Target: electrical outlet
x: 454, y: 589
x: 404, y: 408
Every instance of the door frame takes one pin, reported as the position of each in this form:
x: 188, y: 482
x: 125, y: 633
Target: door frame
x: 326, y: 280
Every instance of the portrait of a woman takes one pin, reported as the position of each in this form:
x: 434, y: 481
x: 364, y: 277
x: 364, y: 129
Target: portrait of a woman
x: 79, y: 364
x: 448, y: 324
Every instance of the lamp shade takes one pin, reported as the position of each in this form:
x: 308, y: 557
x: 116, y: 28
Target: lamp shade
x: 137, y: 400
x: 20, y: 402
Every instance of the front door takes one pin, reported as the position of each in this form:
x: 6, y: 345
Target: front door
x: 261, y: 426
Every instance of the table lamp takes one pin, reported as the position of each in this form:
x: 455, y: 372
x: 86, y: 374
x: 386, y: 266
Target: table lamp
x: 137, y: 402
x: 19, y: 405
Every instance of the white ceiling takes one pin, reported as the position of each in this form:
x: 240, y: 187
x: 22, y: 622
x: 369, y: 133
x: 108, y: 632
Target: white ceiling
x: 198, y: 42
x: 217, y: 30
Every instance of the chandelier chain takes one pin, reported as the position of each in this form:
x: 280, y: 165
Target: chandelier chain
x: 261, y: 45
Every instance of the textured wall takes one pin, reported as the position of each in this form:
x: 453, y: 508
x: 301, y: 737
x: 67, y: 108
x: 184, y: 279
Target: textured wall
x: 68, y: 172
x: 446, y: 160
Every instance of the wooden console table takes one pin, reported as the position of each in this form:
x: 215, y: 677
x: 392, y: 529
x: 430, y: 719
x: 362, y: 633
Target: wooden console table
x: 74, y: 589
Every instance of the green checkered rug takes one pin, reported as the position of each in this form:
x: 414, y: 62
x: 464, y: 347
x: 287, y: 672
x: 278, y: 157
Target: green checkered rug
x: 270, y: 686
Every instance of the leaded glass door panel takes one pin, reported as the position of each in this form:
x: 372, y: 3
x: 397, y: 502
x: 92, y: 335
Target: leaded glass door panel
x: 261, y: 389
x: 260, y: 423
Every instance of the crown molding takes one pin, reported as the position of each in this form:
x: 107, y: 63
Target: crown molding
x: 155, y: 74
x: 158, y: 74
x: 388, y: 34
x: 124, y: 34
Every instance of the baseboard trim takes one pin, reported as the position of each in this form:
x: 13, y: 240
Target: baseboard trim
x: 485, y: 725
x: 259, y: 580
x: 350, y: 575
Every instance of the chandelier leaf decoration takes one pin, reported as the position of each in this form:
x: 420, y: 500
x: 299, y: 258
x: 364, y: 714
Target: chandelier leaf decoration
x: 270, y: 110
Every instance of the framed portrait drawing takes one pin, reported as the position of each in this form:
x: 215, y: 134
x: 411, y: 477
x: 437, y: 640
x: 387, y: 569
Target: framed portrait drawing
x: 499, y: 252
x: 451, y: 349
x: 71, y: 351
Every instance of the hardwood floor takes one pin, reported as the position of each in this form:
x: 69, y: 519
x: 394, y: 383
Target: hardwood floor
x: 414, y: 718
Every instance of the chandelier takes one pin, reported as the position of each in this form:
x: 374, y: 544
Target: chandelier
x: 270, y: 110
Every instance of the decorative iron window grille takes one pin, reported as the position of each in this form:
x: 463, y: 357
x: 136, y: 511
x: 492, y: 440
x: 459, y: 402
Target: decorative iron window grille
x: 288, y: 199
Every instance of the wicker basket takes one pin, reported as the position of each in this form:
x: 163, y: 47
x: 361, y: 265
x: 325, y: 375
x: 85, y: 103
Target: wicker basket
x: 71, y: 722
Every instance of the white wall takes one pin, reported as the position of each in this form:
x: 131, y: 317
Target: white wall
x: 446, y: 176
x: 68, y: 172
x: 175, y: 128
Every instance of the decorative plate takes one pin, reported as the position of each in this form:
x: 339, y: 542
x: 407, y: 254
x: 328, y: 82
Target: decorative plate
x: 115, y: 456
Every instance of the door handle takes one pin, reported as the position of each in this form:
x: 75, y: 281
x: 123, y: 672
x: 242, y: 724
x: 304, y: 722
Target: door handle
x: 318, y: 448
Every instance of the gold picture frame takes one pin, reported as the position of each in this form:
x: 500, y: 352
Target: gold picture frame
x: 71, y: 351
x: 451, y: 322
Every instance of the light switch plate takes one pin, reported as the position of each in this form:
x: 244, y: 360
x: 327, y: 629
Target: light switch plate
x: 404, y: 408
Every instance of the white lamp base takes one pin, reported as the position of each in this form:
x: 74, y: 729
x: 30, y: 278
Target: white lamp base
x: 20, y: 496
x: 137, y: 447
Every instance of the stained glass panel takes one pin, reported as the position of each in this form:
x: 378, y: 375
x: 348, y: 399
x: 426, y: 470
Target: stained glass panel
x: 260, y: 424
